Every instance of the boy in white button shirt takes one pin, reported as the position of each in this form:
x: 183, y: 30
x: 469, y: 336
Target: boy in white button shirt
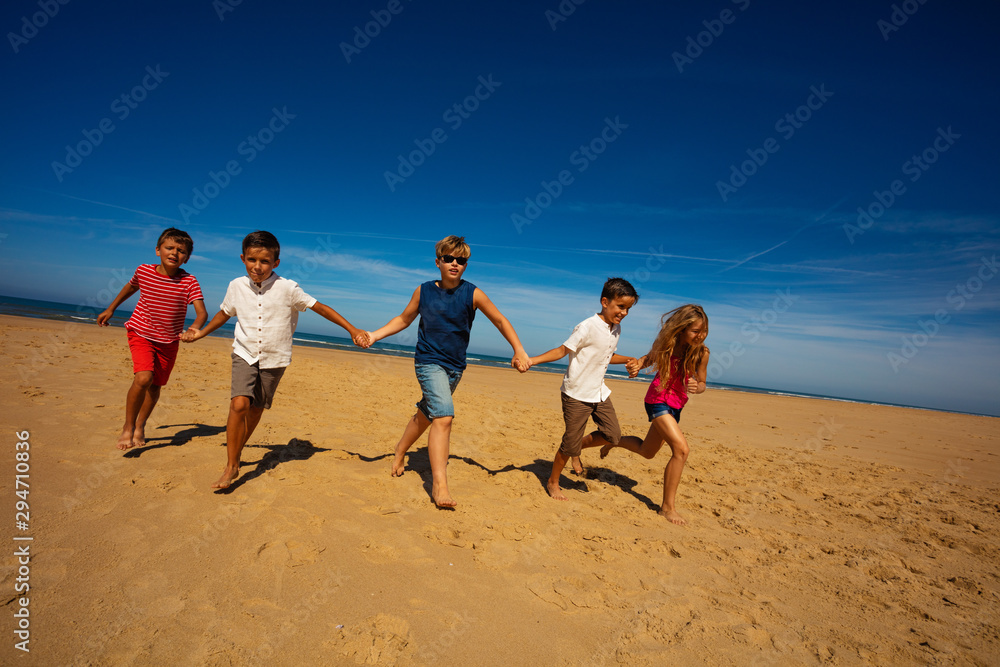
x: 267, y: 309
x: 591, y: 347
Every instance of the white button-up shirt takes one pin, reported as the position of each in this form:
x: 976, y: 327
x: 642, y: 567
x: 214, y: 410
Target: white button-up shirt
x: 591, y: 345
x: 266, y: 318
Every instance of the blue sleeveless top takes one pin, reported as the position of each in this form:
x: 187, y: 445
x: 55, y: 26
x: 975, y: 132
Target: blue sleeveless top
x: 445, y: 321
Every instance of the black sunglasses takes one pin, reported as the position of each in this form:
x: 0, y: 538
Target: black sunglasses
x: 448, y: 259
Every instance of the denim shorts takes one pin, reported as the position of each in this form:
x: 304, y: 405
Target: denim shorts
x: 438, y: 384
x: 654, y: 410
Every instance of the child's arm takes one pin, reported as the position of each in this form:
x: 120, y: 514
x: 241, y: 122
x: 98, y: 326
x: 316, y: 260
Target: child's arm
x: 696, y: 384
x: 398, y: 323
x: 128, y: 290
x: 555, y: 354
x: 192, y: 334
x: 631, y: 363
x: 200, y: 315
x: 329, y: 313
x: 636, y: 365
x: 520, y: 361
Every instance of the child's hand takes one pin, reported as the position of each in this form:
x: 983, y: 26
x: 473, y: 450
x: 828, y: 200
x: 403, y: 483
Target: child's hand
x: 632, y: 366
x: 191, y: 335
x: 102, y: 319
x: 692, y: 386
x: 521, y: 362
x: 363, y: 339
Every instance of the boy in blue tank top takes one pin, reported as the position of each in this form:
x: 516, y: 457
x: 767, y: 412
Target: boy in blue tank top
x: 446, y: 308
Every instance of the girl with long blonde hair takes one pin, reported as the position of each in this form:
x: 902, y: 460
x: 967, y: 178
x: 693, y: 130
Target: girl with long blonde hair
x: 680, y: 358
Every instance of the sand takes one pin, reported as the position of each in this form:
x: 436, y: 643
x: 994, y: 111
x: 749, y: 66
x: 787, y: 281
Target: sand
x: 819, y: 531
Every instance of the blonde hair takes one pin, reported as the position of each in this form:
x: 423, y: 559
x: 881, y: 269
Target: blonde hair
x: 673, y: 324
x: 453, y: 245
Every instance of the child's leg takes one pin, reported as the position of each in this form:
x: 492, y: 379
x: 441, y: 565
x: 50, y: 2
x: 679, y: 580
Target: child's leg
x: 134, y: 400
x: 438, y: 446
x: 437, y: 410
x: 575, y: 416
x: 675, y: 466
x: 552, y: 486
x: 237, y: 431
x: 414, y: 429
x: 646, y: 448
x: 152, y: 396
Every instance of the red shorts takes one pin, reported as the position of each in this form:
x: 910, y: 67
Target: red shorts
x: 148, y: 355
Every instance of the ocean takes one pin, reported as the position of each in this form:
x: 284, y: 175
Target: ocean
x: 50, y: 310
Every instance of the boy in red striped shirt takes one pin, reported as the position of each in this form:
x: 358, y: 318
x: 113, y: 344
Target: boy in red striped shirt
x: 165, y: 291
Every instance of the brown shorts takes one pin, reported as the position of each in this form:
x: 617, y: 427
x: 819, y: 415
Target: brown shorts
x: 575, y: 415
x: 256, y: 382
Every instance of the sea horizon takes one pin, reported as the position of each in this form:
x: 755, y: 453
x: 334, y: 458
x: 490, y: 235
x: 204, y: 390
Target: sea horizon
x: 80, y: 313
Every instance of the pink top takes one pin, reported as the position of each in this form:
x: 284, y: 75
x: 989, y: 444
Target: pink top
x: 163, y: 301
x: 675, y: 395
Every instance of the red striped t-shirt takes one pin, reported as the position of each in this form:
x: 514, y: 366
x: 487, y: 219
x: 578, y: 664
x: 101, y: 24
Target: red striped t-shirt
x: 163, y: 302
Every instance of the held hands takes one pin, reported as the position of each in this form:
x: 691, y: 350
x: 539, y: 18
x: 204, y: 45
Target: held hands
x: 191, y: 335
x: 633, y: 366
x: 362, y: 339
x: 521, y: 362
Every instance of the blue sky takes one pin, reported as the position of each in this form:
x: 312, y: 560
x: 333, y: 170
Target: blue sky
x: 715, y: 153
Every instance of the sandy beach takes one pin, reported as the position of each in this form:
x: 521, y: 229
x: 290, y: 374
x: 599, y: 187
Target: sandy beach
x: 819, y: 532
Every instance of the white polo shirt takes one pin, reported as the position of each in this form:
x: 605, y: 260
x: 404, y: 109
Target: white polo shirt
x: 266, y: 318
x: 591, y: 345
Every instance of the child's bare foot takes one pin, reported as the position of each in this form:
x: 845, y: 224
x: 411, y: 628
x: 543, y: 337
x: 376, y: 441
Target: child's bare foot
x: 229, y: 476
x: 555, y: 492
x: 606, y: 449
x: 577, y: 465
x: 139, y: 437
x: 673, y: 517
x: 125, y: 440
x: 398, y: 464
x: 442, y: 498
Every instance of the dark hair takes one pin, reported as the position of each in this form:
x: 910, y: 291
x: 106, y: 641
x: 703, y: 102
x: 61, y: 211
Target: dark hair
x: 616, y: 287
x: 177, y: 235
x: 260, y: 239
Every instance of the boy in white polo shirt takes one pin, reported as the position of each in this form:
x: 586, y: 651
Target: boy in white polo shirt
x: 591, y: 347
x: 267, y: 309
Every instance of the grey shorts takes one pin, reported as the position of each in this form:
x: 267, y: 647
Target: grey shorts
x: 256, y: 382
x: 575, y: 415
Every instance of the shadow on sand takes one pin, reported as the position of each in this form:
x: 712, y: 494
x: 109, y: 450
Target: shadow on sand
x: 179, y: 438
x: 419, y: 462
x: 295, y: 450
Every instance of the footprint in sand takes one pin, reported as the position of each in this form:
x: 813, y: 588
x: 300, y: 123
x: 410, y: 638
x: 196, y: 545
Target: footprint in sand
x: 567, y: 593
x: 379, y: 640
